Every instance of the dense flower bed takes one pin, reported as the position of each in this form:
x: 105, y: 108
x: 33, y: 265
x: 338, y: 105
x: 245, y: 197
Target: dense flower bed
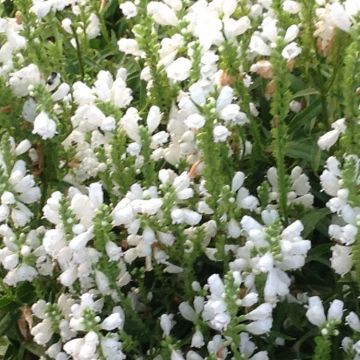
x: 179, y: 179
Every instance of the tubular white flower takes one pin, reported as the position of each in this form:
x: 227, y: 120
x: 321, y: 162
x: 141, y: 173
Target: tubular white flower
x: 220, y: 133
x: 327, y: 140
x: 179, y: 70
x: 291, y: 33
x: 195, y: 121
x: 315, y: 312
x: 291, y: 51
x: 197, y: 339
x: 129, y: 9
x: 341, y: 259
x: 44, y: 126
x: 353, y: 321
x: 21, y: 80
x: 153, y: 119
x: 112, y: 322
x: 340, y: 17
x: 166, y: 323
x: 161, y: 13
x: 335, y: 311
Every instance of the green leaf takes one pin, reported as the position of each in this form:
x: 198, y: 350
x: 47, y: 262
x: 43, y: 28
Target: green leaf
x: 311, y: 219
x: 35, y: 349
x: 15, y: 351
x: 305, y: 92
x: 320, y: 254
x: 4, y: 301
x: 6, y: 321
x: 4, y: 343
x: 304, y: 117
x: 300, y: 150
x: 110, y: 8
x: 25, y: 293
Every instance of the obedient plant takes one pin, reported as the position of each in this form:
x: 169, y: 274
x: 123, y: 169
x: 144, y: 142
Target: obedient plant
x: 179, y: 180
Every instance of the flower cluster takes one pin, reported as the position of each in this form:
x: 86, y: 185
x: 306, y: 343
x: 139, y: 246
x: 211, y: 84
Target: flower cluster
x: 164, y: 186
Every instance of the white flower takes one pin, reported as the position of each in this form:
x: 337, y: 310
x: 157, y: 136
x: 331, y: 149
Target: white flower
x: 112, y: 322
x: 39, y: 309
x: 291, y: 6
x: 295, y: 106
x: 237, y: 181
x: 129, y: 9
x: 111, y: 348
x: 79, y: 242
x: 225, y: 98
x: 130, y: 47
x: 291, y: 50
x: 73, y: 347
x: 345, y: 234
x: 69, y: 276
x: 44, y: 126
x: 93, y: 28
x: 233, y: 28
x: 195, y: 121
x: 335, y: 311
x: 327, y: 140
x: 185, y: 216
x: 115, y: 91
x: 341, y: 259
x: 260, y: 327
x: 330, y: 177
x: 113, y: 251
x: 102, y: 282
x: 41, y: 8
x: 82, y: 93
x: 187, y: 312
x: 197, y: 339
x: 261, y: 312
x: 247, y: 348
x: 179, y: 69
x: 51, y: 209
x: 161, y: 13
x: 220, y: 133
x: 42, y: 332
x: 22, y: 147
x: 176, y: 355
x: 353, y: 321
x: 340, y: 17
x: 277, y: 284
x: 215, y: 310
x: 54, y: 241
x: 21, y: 80
x: 233, y: 228
x: 257, y: 45
x: 217, y: 346
x: 291, y: 33
x: 166, y: 323
x: 88, y: 349
x: 315, y: 312
x: 10, y: 261
x: 66, y: 25
x: 21, y: 273
x: 153, y: 119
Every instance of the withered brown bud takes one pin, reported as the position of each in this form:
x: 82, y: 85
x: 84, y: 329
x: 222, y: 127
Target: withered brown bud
x: 270, y: 88
x: 18, y: 17
x: 225, y: 79
x: 263, y: 68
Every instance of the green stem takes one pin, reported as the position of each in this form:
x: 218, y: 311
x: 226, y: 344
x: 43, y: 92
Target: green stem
x: 279, y: 110
x: 322, y: 348
x: 351, y: 99
x: 78, y: 53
